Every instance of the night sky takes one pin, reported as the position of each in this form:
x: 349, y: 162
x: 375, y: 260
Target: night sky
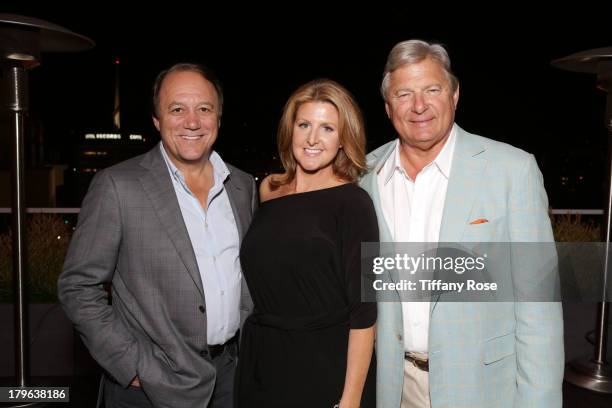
x: 509, y: 91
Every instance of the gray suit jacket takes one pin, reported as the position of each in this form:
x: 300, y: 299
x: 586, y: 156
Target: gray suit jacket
x: 131, y: 233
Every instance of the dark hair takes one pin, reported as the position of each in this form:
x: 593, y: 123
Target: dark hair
x: 206, y: 73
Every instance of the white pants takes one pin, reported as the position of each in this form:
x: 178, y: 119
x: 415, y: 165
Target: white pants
x: 415, y: 393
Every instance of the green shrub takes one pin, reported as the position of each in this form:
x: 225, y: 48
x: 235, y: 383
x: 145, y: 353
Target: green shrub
x: 572, y: 228
x: 45, y: 252
x: 47, y: 243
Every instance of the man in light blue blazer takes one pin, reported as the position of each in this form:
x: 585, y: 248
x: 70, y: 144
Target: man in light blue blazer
x: 439, y: 183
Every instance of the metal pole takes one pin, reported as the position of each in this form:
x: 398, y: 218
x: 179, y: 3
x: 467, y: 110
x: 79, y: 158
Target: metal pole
x: 603, y: 313
x: 18, y: 106
x: 604, y: 307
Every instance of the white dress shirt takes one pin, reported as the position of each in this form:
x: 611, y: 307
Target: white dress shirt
x: 216, y: 244
x: 413, y: 211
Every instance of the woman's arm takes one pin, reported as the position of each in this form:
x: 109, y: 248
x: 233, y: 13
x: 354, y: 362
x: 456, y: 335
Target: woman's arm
x: 360, y: 348
x: 358, y: 224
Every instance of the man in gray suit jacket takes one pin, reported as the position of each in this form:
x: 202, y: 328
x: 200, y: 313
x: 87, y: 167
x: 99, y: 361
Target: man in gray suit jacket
x: 165, y: 229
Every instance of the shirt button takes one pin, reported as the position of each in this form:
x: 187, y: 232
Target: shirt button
x: 222, y: 292
x: 202, y: 308
x: 399, y: 337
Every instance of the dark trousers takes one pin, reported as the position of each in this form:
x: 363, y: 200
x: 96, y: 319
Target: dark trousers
x: 115, y: 396
x: 225, y: 364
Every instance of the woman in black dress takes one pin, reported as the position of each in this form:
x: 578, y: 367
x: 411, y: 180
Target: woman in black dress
x: 310, y: 340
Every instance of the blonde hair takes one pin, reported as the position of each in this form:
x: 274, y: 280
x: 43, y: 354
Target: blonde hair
x: 350, y: 163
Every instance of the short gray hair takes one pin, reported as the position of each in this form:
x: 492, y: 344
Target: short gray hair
x: 412, y: 52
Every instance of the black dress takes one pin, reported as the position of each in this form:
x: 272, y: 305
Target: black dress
x: 301, y: 261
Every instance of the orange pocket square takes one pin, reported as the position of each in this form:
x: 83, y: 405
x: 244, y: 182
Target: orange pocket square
x: 479, y: 221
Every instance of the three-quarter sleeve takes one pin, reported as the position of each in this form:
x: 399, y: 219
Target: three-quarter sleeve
x: 357, y: 224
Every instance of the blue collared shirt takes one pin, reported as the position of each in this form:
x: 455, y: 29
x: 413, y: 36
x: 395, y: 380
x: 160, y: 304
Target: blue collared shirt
x: 216, y: 244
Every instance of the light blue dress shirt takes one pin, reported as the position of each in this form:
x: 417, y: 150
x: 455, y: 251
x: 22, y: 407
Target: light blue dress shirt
x: 216, y: 244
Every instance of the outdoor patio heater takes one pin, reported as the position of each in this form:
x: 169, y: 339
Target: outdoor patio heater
x: 595, y: 373
x: 22, y: 40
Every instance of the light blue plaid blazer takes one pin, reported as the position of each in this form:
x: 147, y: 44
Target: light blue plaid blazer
x: 481, y: 354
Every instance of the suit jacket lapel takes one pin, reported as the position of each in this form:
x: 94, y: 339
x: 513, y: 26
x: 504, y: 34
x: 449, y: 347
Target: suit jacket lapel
x: 240, y: 201
x: 463, y: 186
x: 158, y: 187
x: 237, y: 200
x: 369, y: 182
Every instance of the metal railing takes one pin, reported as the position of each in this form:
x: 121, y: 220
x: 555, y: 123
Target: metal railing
x: 76, y: 210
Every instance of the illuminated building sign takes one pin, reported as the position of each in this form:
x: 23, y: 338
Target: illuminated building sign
x: 111, y: 136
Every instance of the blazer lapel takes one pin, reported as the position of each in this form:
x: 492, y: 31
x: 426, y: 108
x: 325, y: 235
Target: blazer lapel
x: 239, y: 204
x: 463, y: 186
x: 376, y: 160
x: 158, y: 187
x: 369, y: 183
